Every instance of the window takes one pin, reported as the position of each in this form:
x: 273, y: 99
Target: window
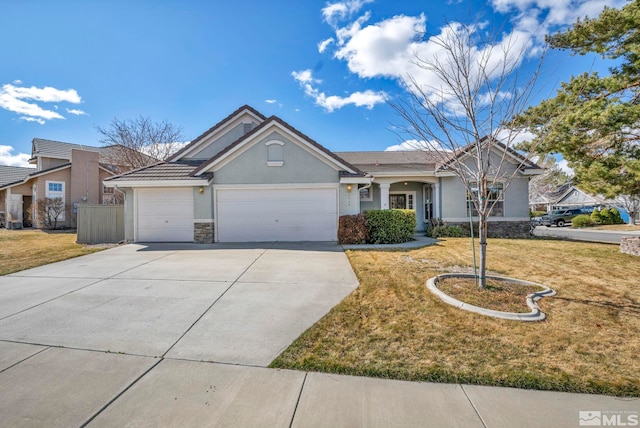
x: 402, y: 200
x: 495, y: 195
x: 275, y: 153
x: 427, y: 197
x: 366, y: 194
x: 55, y: 189
x: 108, y: 190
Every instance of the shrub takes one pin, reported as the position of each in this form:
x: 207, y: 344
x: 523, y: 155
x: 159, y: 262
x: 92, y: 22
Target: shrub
x: 582, y: 220
x: 615, y: 216
x: 352, y: 229
x: 390, y: 226
x: 536, y: 213
x: 447, y: 232
x: 605, y: 215
x: 596, y: 217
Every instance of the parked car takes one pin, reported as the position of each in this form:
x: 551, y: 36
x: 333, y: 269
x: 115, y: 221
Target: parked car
x: 561, y: 217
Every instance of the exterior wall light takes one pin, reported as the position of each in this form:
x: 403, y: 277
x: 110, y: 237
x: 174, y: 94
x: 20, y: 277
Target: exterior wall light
x: 201, y: 189
x: 349, y: 188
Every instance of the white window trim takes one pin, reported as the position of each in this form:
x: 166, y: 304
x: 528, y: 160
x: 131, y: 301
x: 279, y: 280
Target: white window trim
x: 503, y: 200
x: 432, y: 190
x: 271, y: 162
x: 366, y: 198
x: 60, y: 194
x: 406, y: 200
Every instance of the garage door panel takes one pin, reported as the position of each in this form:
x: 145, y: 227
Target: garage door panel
x: 277, y: 215
x: 165, y: 215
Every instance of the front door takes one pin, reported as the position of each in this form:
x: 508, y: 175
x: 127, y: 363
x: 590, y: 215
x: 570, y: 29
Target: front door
x: 397, y: 202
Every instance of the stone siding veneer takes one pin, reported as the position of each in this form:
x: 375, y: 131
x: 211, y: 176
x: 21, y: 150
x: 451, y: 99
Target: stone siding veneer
x: 203, y: 233
x: 630, y: 245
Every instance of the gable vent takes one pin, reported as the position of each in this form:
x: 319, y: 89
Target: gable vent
x: 247, y: 127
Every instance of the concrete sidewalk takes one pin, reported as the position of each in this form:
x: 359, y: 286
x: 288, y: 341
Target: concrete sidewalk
x: 46, y: 386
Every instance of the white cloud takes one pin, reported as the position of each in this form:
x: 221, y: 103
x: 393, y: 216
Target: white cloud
x: 390, y: 48
x: 270, y: 101
x: 322, y: 46
x: 17, y: 82
x: 12, y: 98
x: 409, y: 145
x: 564, y: 166
x: 76, y: 112
x: 32, y: 119
x: 330, y: 103
x: 6, y: 158
x: 334, y: 12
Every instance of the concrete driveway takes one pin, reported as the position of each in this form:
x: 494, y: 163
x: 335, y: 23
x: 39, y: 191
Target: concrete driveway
x: 91, y: 326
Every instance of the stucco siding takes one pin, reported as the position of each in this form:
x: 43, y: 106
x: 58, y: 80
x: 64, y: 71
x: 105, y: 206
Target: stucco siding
x: 299, y: 166
x: 516, y: 198
x: 349, y: 201
x: 203, y: 203
x: 454, y: 198
x: 218, y: 145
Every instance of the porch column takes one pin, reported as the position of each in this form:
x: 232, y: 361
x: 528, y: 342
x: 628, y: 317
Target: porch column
x: 436, y: 200
x: 384, y: 196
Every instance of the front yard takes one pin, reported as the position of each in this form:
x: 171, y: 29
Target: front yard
x: 24, y: 249
x: 393, y: 327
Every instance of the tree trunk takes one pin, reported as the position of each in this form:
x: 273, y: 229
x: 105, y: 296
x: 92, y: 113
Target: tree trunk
x: 482, y: 232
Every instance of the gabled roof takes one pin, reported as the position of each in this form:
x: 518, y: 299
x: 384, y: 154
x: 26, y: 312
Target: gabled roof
x: 58, y: 149
x: 464, y: 151
x: 193, y: 143
x: 268, y: 122
x: 35, y: 174
x: 12, y: 174
x: 393, y: 161
x: 163, y: 171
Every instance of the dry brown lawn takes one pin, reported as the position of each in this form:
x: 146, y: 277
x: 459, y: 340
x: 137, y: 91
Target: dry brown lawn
x: 393, y: 327
x: 24, y: 249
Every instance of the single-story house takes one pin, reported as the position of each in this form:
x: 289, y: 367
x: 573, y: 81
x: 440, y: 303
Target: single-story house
x: 72, y: 172
x: 257, y: 178
x: 563, y: 197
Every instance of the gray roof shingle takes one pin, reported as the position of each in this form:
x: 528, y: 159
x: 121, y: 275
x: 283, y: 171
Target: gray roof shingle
x: 59, y: 149
x: 13, y: 174
x: 161, y: 172
x: 413, y: 160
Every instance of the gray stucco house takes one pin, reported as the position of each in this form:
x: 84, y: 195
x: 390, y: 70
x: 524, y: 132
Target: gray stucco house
x: 253, y: 178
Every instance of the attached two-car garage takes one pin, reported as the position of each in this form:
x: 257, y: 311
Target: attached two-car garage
x: 242, y: 214
x: 276, y: 214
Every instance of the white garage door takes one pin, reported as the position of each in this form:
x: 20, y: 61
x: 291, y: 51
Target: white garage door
x: 283, y: 214
x: 165, y: 215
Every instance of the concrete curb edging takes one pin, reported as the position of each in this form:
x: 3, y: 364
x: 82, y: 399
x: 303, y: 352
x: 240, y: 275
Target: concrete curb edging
x: 535, y: 315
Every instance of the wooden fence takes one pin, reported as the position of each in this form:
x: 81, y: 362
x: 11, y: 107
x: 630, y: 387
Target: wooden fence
x: 100, y: 224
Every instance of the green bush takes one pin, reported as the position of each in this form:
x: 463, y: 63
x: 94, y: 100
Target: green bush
x: 615, y: 216
x: 447, y: 232
x: 596, y: 217
x: 582, y: 220
x: 390, y: 226
x: 605, y: 215
x: 352, y: 229
x: 536, y: 213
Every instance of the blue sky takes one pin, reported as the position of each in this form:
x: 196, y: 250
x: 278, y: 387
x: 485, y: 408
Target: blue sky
x: 325, y: 67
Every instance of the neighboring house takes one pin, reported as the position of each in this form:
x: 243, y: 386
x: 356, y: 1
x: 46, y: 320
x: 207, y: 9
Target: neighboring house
x: 71, y: 172
x: 253, y: 178
x: 564, y: 196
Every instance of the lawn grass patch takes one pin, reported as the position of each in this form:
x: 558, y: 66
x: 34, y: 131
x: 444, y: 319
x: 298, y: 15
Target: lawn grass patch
x: 24, y: 249
x: 391, y: 326
x: 499, y: 295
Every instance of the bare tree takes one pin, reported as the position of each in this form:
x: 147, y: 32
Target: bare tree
x: 49, y: 212
x: 140, y: 142
x: 463, y: 113
x: 631, y: 204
